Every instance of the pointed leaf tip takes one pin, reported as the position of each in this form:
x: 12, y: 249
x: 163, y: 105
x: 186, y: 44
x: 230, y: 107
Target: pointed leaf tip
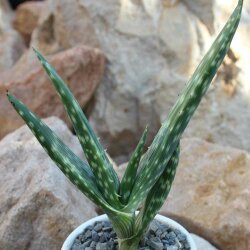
x: 95, y: 155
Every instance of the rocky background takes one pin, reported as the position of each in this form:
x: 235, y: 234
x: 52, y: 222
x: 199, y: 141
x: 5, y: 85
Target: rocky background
x: 126, y: 62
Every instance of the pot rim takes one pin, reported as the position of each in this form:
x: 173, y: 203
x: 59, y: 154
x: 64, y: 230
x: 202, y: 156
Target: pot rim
x: 72, y: 236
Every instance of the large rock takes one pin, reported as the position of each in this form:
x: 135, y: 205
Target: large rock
x: 138, y: 54
x: 152, y: 48
x: 39, y: 206
x: 210, y: 195
x: 81, y: 67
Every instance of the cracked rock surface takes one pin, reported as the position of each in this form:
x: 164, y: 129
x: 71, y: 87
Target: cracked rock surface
x: 39, y: 207
x: 210, y: 195
x: 152, y: 48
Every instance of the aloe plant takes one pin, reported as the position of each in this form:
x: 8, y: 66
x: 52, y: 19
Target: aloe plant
x: 148, y: 178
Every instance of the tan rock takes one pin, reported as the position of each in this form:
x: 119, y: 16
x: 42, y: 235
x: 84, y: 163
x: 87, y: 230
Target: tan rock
x: 139, y: 17
x: 81, y: 67
x: 221, y: 118
x: 26, y: 18
x: 63, y: 24
x: 39, y: 206
x: 152, y: 53
x: 126, y: 101
x: 211, y: 195
x: 170, y: 3
x: 184, y: 36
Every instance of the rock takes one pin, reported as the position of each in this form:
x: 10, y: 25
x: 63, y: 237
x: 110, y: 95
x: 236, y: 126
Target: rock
x: 221, y: 117
x: 214, y: 14
x: 216, y: 201
x: 6, y: 15
x: 152, y: 48
x: 39, y: 206
x: 210, y: 195
x: 138, y: 55
x: 204, y: 10
x: 202, y: 243
x: 26, y: 18
x: 138, y: 18
x: 63, y: 25
x: 12, y: 47
x: 11, y: 43
x: 81, y: 67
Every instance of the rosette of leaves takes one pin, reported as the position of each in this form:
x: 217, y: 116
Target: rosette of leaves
x: 148, y: 178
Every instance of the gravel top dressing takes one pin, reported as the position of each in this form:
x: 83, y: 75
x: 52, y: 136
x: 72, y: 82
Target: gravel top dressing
x: 101, y: 236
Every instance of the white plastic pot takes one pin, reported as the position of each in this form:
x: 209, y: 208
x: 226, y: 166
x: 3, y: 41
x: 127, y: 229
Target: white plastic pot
x: 164, y: 220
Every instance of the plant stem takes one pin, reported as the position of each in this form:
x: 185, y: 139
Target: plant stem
x: 129, y: 244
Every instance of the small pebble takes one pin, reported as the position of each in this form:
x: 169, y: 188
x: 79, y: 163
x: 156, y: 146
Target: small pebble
x: 93, y: 244
x: 95, y: 237
x: 101, y: 246
x: 88, y: 234
x: 171, y: 235
x: 101, y: 236
x: 181, y: 237
x: 153, y: 227
x: 107, y: 229
x: 155, y: 243
x: 90, y: 227
x: 98, y: 227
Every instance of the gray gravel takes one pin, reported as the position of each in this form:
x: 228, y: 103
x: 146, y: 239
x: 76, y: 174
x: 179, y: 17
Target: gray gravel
x: 101, y: 236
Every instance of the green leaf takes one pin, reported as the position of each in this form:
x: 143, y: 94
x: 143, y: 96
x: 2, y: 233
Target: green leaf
x: 158, y: 193
x: 106, y: 177
x: 78, y: 172
x: 131, y: 170
x: 153, y: 164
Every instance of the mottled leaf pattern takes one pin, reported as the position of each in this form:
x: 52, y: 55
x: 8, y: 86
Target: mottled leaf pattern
x: 71, y: 165
x: 75, y: 169
x: 131, y: 170
x: 153, y: 164
x: 105, y: 175
x: 158, y: 194
x: 148, y: 179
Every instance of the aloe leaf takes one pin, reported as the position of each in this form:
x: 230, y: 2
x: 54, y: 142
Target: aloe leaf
x: 131, y: 170
x: 105, y: 175
x: 158, y: 193
x: 153, y: 164
x: 77, y: 171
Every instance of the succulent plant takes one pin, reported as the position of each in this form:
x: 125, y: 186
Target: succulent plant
x: 148, y: 178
